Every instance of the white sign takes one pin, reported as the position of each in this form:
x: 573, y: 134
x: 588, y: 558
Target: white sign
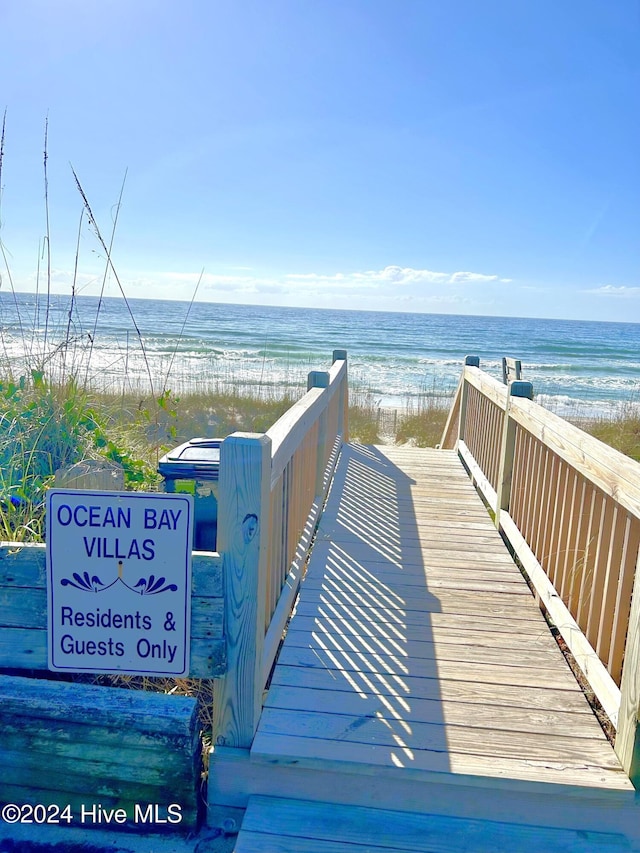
x: 119, y: 582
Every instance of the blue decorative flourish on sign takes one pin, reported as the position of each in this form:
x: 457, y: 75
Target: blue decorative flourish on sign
x: 153, y: 585
x: 145, y: 586
x: 84, y: 582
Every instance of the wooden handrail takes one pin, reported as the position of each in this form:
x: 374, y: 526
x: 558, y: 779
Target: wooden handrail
x: 569, y: 506
x: 271, y: 491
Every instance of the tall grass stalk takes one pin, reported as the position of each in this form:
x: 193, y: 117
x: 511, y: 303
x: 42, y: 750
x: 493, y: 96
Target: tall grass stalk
x: 165, y: 384
x: 98, y: 233
x: 3, y: 249
x: 107, y: 264
x: 48, y: 231
x: 72, y: 303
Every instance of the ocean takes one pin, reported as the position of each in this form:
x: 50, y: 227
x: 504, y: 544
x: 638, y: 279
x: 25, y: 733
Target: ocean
x: 397, y: 360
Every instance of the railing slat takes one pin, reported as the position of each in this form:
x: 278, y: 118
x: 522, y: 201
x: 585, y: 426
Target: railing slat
x: 540, y: 500
x: 612, y: 574
x: 571, y: 594
x: 622, y: 607
x: 628, y: 734
x: 581, y: 607
x: 568, y: 556
x: 607, y: 512
x: 552, y: 495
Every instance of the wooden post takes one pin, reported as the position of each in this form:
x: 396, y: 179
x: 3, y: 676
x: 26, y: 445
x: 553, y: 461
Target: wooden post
x: 511, y: 369
x: 505, y: 473
x: 320, y: 379
x: 627, y: 744
x: 243, y: 543
x: 343, y: 412
x: 470, y: 361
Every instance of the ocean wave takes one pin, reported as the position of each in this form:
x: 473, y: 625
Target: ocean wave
x: 576, y: 408
x: 395, y: 357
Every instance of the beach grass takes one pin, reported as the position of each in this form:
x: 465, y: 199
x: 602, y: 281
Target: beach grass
x: 45, y: 426
x: 422, y: 428
x: 621, y: 431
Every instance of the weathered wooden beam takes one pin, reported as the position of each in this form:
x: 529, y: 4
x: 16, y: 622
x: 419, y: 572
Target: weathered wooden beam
x: 99, y: 745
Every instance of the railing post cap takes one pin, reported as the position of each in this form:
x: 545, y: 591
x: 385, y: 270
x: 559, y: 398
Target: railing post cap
x: 339, y: 355
x: 520, y: 388
x: 472, y: 361
x: 317, y: 379
x: 248, y: 438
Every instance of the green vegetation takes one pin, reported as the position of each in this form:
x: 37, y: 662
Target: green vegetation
x: 363, y: 416
x: 621, y: 432
x: 44, y: 427
x: 424, y: 427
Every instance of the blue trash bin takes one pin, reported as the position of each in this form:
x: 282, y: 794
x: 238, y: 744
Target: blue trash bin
x: 194, y: 467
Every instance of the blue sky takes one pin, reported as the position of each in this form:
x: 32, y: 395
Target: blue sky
x: 468, y: 156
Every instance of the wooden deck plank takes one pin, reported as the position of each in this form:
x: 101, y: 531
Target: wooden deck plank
x: 459, y: 581
x: 327, y: 657
x: 378, y: 565
x: 393, y: 731
x: 298, y: 826
x: 440, y: 689
x: 414, y: 545
x: 475, y: 712
x: 439, y: 563
x: 427, y: 648
x: 442, y: 627
x: 416, y: 643
x: 320, y: 753
x: 512, y: 607
x: 384, y: 551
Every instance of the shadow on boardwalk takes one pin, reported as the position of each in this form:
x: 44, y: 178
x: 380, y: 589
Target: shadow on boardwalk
x: 357, y: 680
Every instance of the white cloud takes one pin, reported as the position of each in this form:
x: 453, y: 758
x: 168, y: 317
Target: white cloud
x: 394, y: 275
x: 611, y: 290
x: 466, y: 277
x: 476, y: 278
x: 406, y: 275
x: 63, y: 280
x: 372, y: 288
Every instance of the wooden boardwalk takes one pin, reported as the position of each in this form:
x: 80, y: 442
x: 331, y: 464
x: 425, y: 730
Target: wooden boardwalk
x: 417, y: 654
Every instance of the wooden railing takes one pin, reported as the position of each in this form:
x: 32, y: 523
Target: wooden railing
x: 271, y: 491
x: 569, y: 507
